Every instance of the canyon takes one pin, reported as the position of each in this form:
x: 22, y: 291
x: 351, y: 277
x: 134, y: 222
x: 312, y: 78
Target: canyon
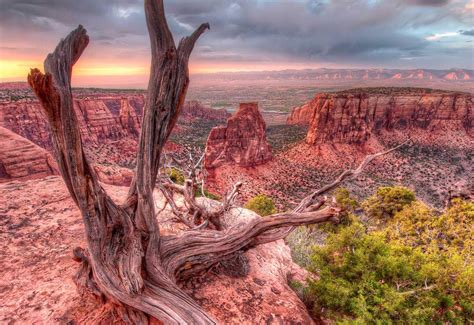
x: 339, y: 130
x: 110, y: 127
x: 343, y: 127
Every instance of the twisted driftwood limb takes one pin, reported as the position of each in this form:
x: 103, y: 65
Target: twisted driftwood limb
x: 128, y: 264
x: 196, y: 214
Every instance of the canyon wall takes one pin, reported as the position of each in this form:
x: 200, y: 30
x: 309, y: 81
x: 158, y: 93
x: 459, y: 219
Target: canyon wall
x: 101, y: 118
x: 105, y: 118
x: 241, y: 142
x: 353, y: 116
x: 21, y: 159
x: 110, y: 127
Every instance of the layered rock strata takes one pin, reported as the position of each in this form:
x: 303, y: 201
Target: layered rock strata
x: 353, y: 116
x: 103, y: 118
x: 21, y: 159
x: 241, y: 142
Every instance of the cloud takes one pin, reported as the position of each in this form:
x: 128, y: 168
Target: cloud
x: 467, y: 32
x: 429, y: 3
x: 342, y: 32
x: 437, y: 37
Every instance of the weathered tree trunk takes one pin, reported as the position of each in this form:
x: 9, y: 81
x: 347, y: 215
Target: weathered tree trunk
x: 127, y: 263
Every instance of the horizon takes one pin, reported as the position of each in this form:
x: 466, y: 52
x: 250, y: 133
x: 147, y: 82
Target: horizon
x: 244, y: 36
x: 141, y: 84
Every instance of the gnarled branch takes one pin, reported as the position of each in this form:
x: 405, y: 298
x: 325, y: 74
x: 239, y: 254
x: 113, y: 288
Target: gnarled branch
x: 186, y: 45
x: 196, y: 251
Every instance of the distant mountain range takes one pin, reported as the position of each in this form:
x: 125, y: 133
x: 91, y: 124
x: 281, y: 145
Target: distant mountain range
x: 464, y: 75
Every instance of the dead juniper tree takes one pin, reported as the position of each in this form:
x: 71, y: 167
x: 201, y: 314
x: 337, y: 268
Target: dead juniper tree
x: 194, y: 213
x: 127, y: 262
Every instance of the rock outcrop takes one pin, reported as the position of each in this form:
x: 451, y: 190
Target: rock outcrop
x: 27, y: 119
x: 101, y: 118
x: 21, y: 159
x: 41, y: 215
x: 301, y: 115
x: 241, y: 142
x: 353, y: 116
x: 193, y: 110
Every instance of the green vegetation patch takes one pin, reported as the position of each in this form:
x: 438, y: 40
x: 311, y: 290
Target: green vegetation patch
x: 261, y: 204
x: 414, y: 268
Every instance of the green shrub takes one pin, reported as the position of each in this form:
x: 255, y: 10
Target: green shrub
x: 387, y: 201
x: 418, y: 269
x: 175, y: 175
x: 348, y: 204
x: 261, y: 204
x: 418, y: 225
x: 207, y: 194
x: 345, y: 200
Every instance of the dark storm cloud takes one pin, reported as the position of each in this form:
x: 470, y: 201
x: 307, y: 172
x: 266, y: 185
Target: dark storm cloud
x: 435, y: 3
x: 467, y: 32
x: 305, y: 30
x: 349, y: 31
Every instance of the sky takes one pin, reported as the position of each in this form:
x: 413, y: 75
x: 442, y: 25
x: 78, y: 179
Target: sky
x: 245, y: 35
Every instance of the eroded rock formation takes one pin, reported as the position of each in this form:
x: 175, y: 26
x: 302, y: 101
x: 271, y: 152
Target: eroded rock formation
x: 101, y: 118
x: 241, y: 142
x: 21, y: 159
x: 353, y: 116
x: 193, y: 110
x: 301, y: 115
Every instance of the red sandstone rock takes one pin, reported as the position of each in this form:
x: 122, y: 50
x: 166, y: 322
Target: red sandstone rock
x: 114, y: 175
x: 353, y: 116
x: 41, y: 225
x: 101, y: 118
x: 193, y: 110
x: 27, y: 119
x: 301, y: 115
x: 21, y: 159
x: 242, y: 142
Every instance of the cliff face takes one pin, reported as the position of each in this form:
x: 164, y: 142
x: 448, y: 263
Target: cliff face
x: 193, y: 110
x: 353, y: 116
x: 100, y: 118
x: 242, y: 141
x: 301, y: 115
x: 21, y: 159
x: 101, y: 122
x: 26, y: 119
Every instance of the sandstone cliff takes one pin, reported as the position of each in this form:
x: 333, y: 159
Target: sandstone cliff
x: 21, y: 159
x: 193, y: 110
x: 101, y: 118
x: 301, y: 115
x: 353, y: 116
x: 241, y: 142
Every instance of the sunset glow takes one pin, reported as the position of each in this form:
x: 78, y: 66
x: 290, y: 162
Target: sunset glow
x: 244, y: 36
